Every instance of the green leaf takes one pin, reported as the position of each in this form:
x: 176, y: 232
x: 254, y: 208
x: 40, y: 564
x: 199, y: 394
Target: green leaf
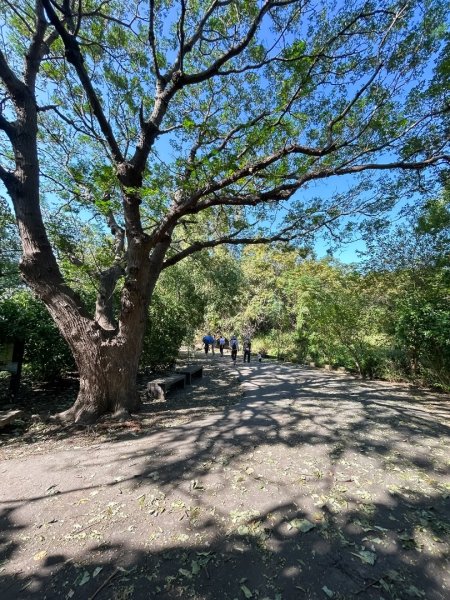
x: 195, y: 567
x: 366, y: 556
x: 302, y: 525
x: 247, y: 593
x: 86, y: 577
x: 185, y: 573
x: 188, y: 124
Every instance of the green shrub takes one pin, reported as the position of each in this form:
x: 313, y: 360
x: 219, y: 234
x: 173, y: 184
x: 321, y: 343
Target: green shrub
x: 166, y: 330
x: 47, y: 356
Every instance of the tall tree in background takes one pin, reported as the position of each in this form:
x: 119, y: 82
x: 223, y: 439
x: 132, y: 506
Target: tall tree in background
x: 187, y: 125
x: 411, y: 262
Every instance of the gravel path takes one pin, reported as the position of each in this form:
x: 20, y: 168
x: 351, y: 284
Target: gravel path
x: 290, y: 483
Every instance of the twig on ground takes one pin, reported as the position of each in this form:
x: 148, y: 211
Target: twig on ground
x: 366, y: 587
x: 105, y: 583
x: 85, y: 527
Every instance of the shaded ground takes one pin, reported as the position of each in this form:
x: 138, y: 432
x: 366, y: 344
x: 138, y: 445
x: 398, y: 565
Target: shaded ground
x: 309, y: 485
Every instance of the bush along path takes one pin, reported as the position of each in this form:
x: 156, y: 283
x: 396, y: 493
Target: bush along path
x: 294, y: 483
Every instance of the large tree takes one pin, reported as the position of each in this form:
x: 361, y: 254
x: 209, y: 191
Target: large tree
x: 191, y: 124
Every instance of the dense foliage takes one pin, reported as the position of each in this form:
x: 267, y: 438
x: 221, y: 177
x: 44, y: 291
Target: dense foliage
x: 9, y: 248
x: 388, y: 316
x: 47, y: 356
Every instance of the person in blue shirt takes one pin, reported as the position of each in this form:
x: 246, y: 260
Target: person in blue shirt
x: 208, y: 341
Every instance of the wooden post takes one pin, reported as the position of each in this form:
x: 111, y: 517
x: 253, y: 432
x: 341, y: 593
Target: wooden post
x: 14, y: 366
x: 19, y: 347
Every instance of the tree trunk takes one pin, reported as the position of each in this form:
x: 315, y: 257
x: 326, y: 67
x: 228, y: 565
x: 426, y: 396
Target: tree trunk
x: 108, y: 372
x: 108, y: 360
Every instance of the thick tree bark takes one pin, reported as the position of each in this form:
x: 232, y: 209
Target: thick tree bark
x: 108, y: 371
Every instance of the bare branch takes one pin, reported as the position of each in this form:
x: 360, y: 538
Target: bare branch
x: 7, y: 178
x: 181, y: 34
x: 74, y: 56
x: 286, y: 190
x: 203, y: 245
x: 119, y: 235
x: 37, y: 48
x: 13, y: 84
x: 108, y: 278
x: 187, y: 46
x: 7, y: 127
x: 253, y: 168
x: 352, y: 102
x: 235, y: 50
x: 152, y: 39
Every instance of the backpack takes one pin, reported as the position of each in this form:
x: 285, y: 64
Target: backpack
x: 233, y: 345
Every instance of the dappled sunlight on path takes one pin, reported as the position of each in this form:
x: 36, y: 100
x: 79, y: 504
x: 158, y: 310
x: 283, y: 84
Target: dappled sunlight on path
x: 313, y: 484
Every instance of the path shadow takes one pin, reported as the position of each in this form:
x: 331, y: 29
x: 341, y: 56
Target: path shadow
x: 265, y: 556
x: 299, y: 446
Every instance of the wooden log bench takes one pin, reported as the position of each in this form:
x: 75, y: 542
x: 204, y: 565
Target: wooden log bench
x: 190, y: 372
x: 8, y: 416
x: 166, y: 383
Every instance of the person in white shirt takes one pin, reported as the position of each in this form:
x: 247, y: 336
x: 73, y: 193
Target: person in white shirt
x: 221, y: 344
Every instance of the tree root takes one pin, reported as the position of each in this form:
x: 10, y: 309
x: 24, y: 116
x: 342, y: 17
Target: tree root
x: 66, y: 417
x: 72, y: 416
x: 122, y: 414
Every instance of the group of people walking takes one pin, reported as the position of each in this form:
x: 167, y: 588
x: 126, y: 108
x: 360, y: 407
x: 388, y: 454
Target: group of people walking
x: 210, y: 341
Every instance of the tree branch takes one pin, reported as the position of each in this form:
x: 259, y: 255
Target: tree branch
x: 233, y: 51
x: 7, y: 127
x: 74, y: 56
x: 186, y: 47
x: 37, y: 48
x: 13, y: 84
x: 152, y: 40
x: 7, y: 178
x: 198, y: 246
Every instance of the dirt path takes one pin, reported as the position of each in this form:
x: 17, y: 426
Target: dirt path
x: 312, y: 485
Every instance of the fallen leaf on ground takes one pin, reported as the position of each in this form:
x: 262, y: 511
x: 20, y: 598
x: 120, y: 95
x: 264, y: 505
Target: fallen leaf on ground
x: 302, y: 525
x: 366, y: 556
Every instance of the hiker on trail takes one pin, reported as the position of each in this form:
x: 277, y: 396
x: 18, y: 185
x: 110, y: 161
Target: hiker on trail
x: 207, y: 341
x: 213, y: 343
x: 234, y: 345
x: 247, y: 350
x: 221, y: 344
